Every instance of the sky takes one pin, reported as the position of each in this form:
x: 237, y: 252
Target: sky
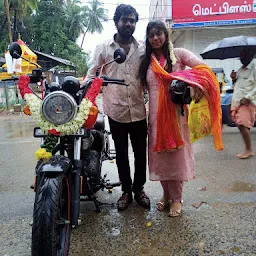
x: 142, y: 7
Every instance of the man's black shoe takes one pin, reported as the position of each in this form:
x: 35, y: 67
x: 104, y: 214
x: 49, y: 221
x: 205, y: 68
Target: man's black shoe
x: 124, y: 201
x: 142, y: 199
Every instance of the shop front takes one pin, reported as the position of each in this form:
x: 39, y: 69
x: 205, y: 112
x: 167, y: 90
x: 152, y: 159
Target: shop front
x: 197, y: 23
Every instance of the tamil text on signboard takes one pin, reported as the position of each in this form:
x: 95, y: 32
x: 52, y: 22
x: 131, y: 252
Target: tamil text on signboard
x: 213, y: 13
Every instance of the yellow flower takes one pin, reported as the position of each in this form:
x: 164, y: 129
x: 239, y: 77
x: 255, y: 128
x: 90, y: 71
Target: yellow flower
x: 149, y: 224
x: 43, y: 154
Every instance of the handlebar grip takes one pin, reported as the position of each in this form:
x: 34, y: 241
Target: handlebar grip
x: 115, y: 82
x: 108, y: 79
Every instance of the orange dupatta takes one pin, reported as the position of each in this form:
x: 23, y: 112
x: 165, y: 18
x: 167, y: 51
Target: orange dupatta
x: 168, y: 137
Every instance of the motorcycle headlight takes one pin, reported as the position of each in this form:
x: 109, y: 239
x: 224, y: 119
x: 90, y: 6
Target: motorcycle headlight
x: 59, y: 107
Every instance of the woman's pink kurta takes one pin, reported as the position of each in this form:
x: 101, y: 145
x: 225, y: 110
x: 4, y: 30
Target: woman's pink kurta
x: 176, y: 165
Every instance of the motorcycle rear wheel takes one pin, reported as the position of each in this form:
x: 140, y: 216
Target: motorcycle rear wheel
x: 51, y: 219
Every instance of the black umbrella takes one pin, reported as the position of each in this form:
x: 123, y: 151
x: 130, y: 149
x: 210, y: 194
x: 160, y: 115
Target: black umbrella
x: 229, y: 47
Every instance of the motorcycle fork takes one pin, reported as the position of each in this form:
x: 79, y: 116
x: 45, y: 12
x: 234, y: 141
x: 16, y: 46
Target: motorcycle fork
x: 37, y: 177
x: 75, y: 182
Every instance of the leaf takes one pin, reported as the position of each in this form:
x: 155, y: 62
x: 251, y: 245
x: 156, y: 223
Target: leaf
x: 149, y: 224
x: 197, y: 205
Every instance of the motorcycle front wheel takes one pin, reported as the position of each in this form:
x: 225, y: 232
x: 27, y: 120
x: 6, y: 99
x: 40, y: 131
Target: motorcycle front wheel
x: 51, y: 218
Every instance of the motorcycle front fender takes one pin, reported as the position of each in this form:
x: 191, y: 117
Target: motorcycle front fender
x: 56, y: 166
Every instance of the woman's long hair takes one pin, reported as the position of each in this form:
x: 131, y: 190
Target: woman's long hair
x: 146, y: 59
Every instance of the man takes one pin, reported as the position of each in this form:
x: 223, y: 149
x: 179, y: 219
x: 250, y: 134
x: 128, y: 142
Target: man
x: 124, y: 105
x: 243, y: 104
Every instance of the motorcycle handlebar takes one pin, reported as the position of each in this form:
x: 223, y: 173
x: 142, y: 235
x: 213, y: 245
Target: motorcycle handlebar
x: 14, y: 78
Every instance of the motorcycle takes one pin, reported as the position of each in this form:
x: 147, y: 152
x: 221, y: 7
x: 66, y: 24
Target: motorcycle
x: 74, y: 145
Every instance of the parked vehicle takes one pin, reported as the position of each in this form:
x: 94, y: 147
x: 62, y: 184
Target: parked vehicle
x: 226, y: 98
x: 73, y: 168
x: 221, y: 76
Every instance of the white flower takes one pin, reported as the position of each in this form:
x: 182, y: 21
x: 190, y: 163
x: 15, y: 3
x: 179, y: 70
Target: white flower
x: 172, y: 55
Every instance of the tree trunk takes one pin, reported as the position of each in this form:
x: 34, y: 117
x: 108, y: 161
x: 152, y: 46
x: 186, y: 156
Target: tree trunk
x: 15, y: 32
x: 84, y: 37
x: 8, y: 20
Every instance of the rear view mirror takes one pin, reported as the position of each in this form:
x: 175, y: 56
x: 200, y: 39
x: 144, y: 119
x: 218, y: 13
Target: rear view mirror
x: 120, y: 55
x: 15, y: 50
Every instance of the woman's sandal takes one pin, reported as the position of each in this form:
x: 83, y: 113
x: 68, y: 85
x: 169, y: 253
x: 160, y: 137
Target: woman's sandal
x: 176, y: 209
x: 162, y: 205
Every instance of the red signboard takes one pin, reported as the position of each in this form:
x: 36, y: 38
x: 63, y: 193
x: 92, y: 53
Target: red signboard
x: 190, y: 11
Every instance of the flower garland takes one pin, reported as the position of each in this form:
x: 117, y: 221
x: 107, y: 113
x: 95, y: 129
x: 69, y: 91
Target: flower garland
x: 45, y: 152
x: 172, y: 55
x: 85, y: 117
x: 35, y: 105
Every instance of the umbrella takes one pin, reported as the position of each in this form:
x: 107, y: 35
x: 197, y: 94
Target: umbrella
x: 229, y: 47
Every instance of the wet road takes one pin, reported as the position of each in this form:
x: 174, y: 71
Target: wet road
x: 223, y: 225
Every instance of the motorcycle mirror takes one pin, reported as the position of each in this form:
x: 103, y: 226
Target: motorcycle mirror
x: 15, y: 50
x: 120, y: 55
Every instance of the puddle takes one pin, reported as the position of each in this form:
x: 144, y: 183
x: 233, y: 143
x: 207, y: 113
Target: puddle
x: 14, y: 129
x: 242, y: 187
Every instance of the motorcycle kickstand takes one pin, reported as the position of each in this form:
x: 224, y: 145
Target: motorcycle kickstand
x: 94, y: 199
x: 97, y: 204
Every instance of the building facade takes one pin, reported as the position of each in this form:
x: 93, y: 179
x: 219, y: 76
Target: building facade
x: 197, y: 23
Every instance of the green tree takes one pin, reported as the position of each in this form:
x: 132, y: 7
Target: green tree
x: 20, y: 9
x: 95, y: 14
x: 53, y: 26
x: 4, y: 29
x: 74, y: 15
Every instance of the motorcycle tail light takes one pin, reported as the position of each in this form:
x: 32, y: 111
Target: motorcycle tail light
x: 59, y: 107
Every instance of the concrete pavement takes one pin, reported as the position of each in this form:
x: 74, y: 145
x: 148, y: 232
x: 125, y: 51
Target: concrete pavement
x: 223, y: 225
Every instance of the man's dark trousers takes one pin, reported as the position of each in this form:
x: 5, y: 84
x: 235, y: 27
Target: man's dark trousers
x: 138, y: 137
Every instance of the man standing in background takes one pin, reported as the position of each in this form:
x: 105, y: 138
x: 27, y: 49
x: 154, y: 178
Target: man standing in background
x: 243, y: 104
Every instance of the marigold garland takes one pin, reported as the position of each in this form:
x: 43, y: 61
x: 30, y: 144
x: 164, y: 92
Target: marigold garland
x: 87, y: 109
x: 72, y: 126
x: 68, y: 128
x: 42, y: 154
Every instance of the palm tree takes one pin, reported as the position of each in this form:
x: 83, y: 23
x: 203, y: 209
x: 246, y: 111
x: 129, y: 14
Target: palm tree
x: 20, y: 9
x: 74, y: 15
x: 8, y: 19
x: 95, y: 14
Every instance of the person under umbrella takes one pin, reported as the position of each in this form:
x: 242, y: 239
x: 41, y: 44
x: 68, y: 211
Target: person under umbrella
x: 243, y: 104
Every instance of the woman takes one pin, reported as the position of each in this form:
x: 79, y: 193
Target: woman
x: 172, y: 168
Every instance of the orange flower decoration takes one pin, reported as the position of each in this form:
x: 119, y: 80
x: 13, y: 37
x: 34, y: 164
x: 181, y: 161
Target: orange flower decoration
x: 90, y: 122
x: 27, y: 111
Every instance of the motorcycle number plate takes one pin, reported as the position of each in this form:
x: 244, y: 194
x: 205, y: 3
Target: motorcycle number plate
x: 38, y: 133
x: 81, y: 132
